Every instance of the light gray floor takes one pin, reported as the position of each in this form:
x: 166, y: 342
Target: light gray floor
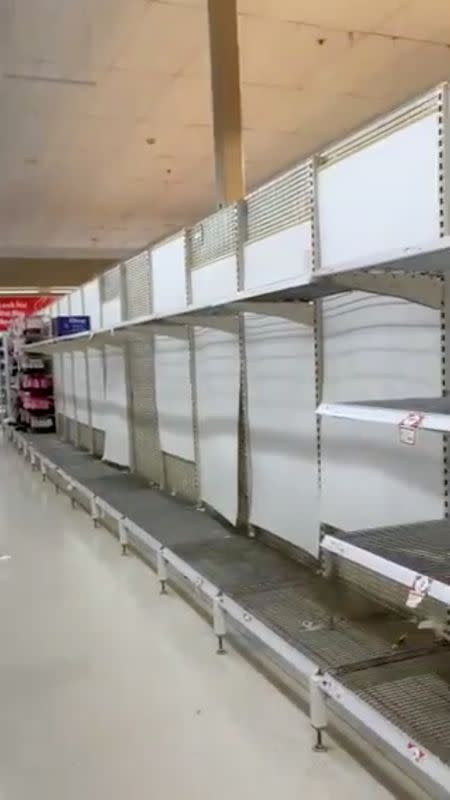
x: 109, y: 691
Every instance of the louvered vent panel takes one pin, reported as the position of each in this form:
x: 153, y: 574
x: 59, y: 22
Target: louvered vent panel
x: 282, y: 203
x: 110, y: 284
x: 137, y: 283
x: 213, y: 238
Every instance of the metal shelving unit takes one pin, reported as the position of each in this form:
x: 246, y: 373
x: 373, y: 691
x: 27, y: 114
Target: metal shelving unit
x: 30, y: 375
x: 3, y: 377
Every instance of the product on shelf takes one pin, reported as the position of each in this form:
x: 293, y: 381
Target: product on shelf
x: 29, y: 376
x: 3, y: 378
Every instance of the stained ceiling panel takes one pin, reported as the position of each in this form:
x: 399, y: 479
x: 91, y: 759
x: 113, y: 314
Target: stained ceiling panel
x: 300, y: 51
x: 106, y: 135
x: 185, y: 33
x: 423, y: 22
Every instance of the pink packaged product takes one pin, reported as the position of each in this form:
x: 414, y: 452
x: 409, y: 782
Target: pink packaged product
x: 31, y: 403
x: 36, y: 382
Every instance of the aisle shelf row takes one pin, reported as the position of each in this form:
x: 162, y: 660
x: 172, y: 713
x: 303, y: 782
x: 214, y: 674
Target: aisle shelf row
x: 220, y: 314
x: 344, y: 703
x: 320, y: 224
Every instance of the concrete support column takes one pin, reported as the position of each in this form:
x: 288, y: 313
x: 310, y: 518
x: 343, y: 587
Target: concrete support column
x: 226, y: 99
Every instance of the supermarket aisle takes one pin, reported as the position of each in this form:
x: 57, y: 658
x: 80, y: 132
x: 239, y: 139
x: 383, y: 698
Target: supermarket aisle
x: 110, y: 691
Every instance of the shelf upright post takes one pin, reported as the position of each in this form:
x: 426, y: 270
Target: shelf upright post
x: 193, y: 373
x: 444, y: 228
x: 87, y: 378
x: 128, y: 374
x: 8, y: 373
x: 76, y: 431
x: 244, y: 462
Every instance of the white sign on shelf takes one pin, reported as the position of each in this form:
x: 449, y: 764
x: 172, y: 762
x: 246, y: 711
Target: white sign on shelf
x: 408, y: 427
x: 419, y: 590
x: 416, y: 752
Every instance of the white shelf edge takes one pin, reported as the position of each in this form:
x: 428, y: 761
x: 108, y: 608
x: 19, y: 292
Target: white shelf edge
x: 359, y: 412
x: 437, y: 253
x: 92, y: 337
x: 382, y: 566
x: 409, y: 259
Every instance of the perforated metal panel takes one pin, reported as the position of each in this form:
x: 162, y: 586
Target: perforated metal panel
x: 144, y: 418
x: 137, y: 285
x: 213, y: 238
x: 110, y: 284
x: 140, y: 369
x: 282, y: 203
x: 179, y: 477
x: 98, y: 442
x: 72, y: 430
x: 414, y: 695
x: 84, y: 436
x: 59, y: 423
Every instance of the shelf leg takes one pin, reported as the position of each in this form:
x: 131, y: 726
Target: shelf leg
x: 162, y: 571
x: 123, y: 536
x: 317, y: 710
x: 219, y: 625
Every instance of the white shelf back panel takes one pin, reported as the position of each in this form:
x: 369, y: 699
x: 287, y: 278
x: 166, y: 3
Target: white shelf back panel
x: 115, y: 422
x: 174, y: 397
x: 215, y: 281
x: 284, y: 255
x: 217, y: 373
x: 111, y: 312
x: 115, y: 417
x: 96, y: 359
x: 91, y: 293
x: 58, y: 376
x: 381, y: 197
x: 284, y: 495
x: 375, y: 348
x: 67, y: 368
x: 169, y: 275
x: 79, y: 366
x: 58, y: 384
x: 96, y: 367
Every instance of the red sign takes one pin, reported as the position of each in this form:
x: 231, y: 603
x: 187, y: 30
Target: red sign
x: 21, y: 305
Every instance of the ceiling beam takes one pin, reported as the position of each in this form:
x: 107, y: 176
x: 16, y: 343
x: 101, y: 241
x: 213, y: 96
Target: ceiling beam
x: 110, y: 254
x: 226, y: 100
x: 47, y: 272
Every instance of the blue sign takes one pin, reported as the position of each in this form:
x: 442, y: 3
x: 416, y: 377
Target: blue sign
x: 66, y: 326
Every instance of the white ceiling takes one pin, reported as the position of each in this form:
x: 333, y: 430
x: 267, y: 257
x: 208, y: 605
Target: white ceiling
x: 106, y: 139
